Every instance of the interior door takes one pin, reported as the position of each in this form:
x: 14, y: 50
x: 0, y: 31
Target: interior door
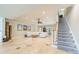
x: 8, y: 29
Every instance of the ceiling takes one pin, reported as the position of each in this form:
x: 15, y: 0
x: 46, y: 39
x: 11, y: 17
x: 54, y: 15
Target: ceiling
x: 18, y: 11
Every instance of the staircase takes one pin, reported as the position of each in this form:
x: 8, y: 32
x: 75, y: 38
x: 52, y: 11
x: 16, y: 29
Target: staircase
x: 65, y: 40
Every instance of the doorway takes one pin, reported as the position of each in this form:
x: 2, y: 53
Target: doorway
x: 8, y: 32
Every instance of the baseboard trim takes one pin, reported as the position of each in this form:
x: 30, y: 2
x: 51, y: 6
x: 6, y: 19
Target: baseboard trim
x: 54, y: 46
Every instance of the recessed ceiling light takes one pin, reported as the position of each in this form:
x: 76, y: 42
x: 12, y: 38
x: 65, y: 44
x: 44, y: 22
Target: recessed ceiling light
x: 46, y: 17
x: 43, y: 12
x: 26, y: 17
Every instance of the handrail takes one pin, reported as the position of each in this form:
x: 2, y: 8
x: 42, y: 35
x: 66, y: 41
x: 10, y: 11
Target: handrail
x: 71, y: 32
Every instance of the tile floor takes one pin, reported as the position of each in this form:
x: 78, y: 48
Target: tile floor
x: 29, y: 46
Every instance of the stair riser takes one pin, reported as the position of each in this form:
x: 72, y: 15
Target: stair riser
x: 67, y: 44
x: 67, y: 37
x: 64, y: 35
x: 68, y: 49
x: 64, y: 32
x: 66, y: 40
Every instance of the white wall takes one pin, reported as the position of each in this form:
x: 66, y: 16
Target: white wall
x: 17, y: 33
x: 72, y: 14
x: 2, y: 28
